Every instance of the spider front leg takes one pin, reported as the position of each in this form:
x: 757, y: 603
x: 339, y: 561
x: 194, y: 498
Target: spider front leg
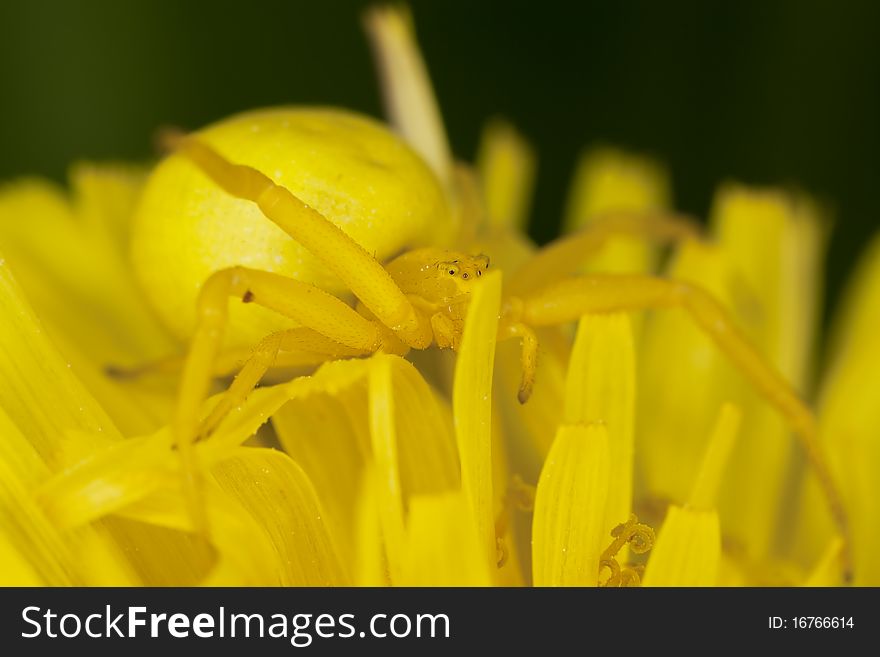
x: 360, y: 271
x: 569, y: 299
x: 324, y: 317
x: 563, y: 257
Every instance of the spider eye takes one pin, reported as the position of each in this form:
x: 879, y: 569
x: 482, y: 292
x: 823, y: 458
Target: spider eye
x: 465, y: 276
x: 448, y: 267
x: 479, y: 273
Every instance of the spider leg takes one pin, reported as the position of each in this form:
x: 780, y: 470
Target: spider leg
x: 444, y: 331
x: 265, y: 356
x: 567, y: 300
x: 230, y: 361
x: 529, y: 356
x: 308, y: 305
x: 563, y: 256
x: 360, y: 272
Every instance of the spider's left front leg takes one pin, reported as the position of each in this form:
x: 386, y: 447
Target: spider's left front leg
x: 569, y: 299
x: 328, y: 320
x: 361, y: 272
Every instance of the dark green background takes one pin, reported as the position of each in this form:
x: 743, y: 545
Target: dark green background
x: 767, y: 91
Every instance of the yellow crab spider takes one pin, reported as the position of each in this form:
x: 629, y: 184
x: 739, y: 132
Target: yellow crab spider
x: 420, y: 298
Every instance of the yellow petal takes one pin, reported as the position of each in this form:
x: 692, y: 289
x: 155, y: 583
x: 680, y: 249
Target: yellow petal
x: 69, y: 257
x: 472, y: 406
x: 860, y: 310
x: 731, y: 572
x: 506, y: 166
x: 109, y: 479
x: 849, y: 426
x: 87, y: 556
x: 16, y: 571
x: 328, y: 435
x: 410, y: 441
x: 371, y: 566
x: 80, y: 288
x: 441, y: 548
x: 775, y: 241
x: 140, y: 479
x: 849, y: 417
x: 608, y: 179
x: 37, y: 389
x: 527, y: 431
x: 19, y: 455
x: 237, y: 551
x: 26, y: 535
x: 383, y: 434
x: 712, y: 469
x: 688, y: 547
x: 103, y: 561
x: 137, y: 406
x: 160, y: 555
x: 158, y: 532
x: 279, y: 496
x: 511, y: 523
x: 72, y: 272
x: 687, y: 551
x: 568, y: 525
x: 409, y: 98
x: 427, y: 449
x: 683, y: 379
x: 101, y: 481
x: 601, y: 388
x: 828, y: 571
x: 104, y: 198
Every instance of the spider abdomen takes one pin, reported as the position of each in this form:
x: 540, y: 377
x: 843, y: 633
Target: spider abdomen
x: 348, y: 167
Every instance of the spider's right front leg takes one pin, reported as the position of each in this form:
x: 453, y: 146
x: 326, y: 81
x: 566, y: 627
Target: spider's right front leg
x: 563, y: 257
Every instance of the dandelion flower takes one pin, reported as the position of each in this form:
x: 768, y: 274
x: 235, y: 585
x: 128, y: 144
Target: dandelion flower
x: 642, y: 455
